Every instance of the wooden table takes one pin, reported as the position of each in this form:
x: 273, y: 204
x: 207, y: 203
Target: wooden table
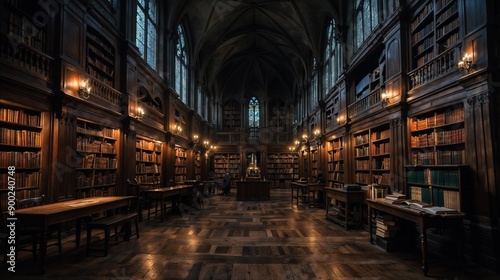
x: 314, y: 188
x: 300, y: 187
x: 422, y: 219
x: 46, y: 215
x: 253, y: 190
x: 161, y: 194
x: 352, y: 199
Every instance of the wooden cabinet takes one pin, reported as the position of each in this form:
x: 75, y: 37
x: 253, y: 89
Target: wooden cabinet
x: 335, y: 161
x: 96, y: 147
x: 20, y: 152
x: 372, y: 156
x: 180, y: 164
x: 100, y: 57
x: 434, y: 29
x: 437, y: 154
x: 282, y: 167
x: 148, y: 161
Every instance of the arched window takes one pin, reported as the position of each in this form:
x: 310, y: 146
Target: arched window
x: 253, y: 113
x: 366, y: 15
x: 313, y: 87
x: 181, y: 65
x: 331, y: 57
x: 147, y: 30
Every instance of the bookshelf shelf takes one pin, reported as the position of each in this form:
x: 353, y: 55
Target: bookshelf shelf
x: 335, y: 161
x: 437, y: 154
x: 227, y: 162
x: 231, y: 116
x: 100, y: 57
x: 21, y: 148
x: 434, y: 28
x: 148, y: 161
x: 282, y: 167
x: 97, y: 167
x: 180, y: 164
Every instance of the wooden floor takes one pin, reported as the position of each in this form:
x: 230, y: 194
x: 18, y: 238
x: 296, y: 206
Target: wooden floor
x: 228, y: 239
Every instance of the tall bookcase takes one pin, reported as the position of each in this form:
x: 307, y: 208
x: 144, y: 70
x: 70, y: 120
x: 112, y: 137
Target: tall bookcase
x: 282, y: 167
x: 437, y: 154
x: 372, y: 156
x: 180, y: 164
x: 20, y: 152
x: 197, y: 166
x: 434, y: 29
x: 148, y: 161
x: 231, y: 116
x: 227, y: 162
x: 335, y: 162
x: 97, y: 147
x: 100, y: 57
x: 314, y: 163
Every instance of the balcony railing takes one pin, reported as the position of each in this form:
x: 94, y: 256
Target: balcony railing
x: 439, y: 66
x: 364, y: 104
x: 106, y: 93
x: 25, y: 57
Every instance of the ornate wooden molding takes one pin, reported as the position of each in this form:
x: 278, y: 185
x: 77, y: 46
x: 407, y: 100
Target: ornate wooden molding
x: 480, y: 99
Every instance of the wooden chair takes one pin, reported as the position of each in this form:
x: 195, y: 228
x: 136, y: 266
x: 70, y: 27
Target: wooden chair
x: 53, y: 232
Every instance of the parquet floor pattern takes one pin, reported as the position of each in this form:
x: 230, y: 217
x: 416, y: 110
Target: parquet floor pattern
x: 229, y: 239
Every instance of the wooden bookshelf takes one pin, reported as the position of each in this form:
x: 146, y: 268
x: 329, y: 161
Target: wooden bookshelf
x: 314, y: 163
x: 434, y: 29
x: 197, y: 166
x: 180, y: 164
x: 148, y: 161
x: 100, y: 57
x: 22, y: 27
x: 282, y: 168
x: 231, y: 116
x: 372, y: 156
x: 335, y: 161
x: 437, y: 155
x: 227, y: 162
x: 20, y: 152
x: 96, y: 146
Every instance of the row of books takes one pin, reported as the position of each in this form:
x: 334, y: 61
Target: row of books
x: 148, y: 157
x: 440, y: 197
x: 148, y: 145
x: 421, y: 16
x: 23, y: 180
x: 20, y: 159
x: 20, y: 137
x: 147, y: 168
x: 449, y: 178
x: 448, y: 117
x: 382, y: 148
x: 400, y: 199
x: 95, y: 146
x: 92, y: 161
x: 95, y: 179
x: 104, y: 132
x: 283, y: 165
x: 20, y: 117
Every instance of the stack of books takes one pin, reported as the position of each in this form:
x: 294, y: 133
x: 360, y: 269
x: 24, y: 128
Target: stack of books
x: 386, y: 226
x: 396, y: 198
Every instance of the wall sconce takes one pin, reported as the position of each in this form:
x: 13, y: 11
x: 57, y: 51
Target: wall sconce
x: 206, y: 144
x: 139, y: 115
x: 177, y: 129
x: 342, y: 120
x: 84, y: 90
x: 384, y: 98
x: 305, y: 137
x: 316, y: 133
x: 196, y: 139
x: 465, y: 63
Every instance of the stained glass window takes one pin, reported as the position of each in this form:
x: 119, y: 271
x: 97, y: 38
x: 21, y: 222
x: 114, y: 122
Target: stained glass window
x: 253, y: 113
x: 331, y: 56
x: 147, y: 30
x: 366, y: 14
x: 181, y: 65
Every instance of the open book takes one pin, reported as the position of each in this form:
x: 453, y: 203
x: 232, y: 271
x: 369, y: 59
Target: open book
x: 416, y: 204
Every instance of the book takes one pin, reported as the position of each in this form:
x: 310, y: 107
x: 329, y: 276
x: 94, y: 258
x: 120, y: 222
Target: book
x: 416, y: 204
x: 395, y: 196
x: 440, y: 210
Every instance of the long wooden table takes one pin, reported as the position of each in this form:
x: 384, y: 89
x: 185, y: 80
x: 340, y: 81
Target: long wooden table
x: 306, y: 189
x: 46, y: 215
x: 422, y: 219
x: 298, y: 187
x: 161, y: 194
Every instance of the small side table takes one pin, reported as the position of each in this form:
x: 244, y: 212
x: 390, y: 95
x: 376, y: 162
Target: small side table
x: 351, y: 199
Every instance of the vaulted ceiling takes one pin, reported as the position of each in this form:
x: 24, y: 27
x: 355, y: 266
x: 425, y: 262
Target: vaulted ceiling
x: 255, y: 47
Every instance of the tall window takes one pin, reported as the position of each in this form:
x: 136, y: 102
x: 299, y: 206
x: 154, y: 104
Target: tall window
x: 313, y: 87
x: 253, y: 113
x: 147, y: 30
x: 331, y: 57
x: 181, y: 65
x: 366, y: 15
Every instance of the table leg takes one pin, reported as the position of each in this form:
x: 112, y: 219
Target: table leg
x: 423, y: 243
x: 43, y: 250
x: 370, y: 227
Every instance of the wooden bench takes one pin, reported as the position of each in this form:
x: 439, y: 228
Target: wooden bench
x: 110, y: 222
